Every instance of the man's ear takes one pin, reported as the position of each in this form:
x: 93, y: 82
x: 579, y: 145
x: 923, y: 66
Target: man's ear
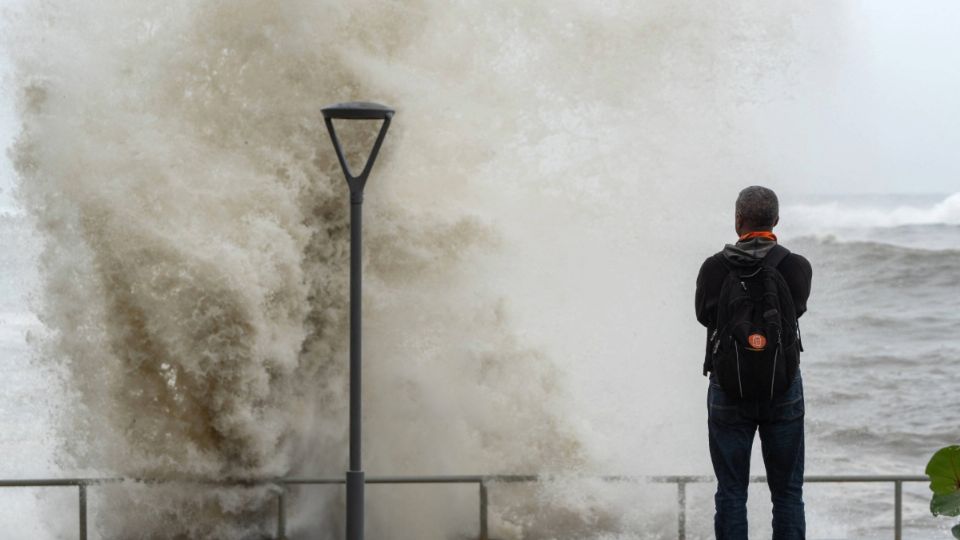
x: 738, y: 222
x: 776, y: 221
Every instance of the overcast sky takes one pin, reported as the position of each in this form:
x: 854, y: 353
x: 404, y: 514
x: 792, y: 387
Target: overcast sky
x: 875, y: 110
x: 880, y: 113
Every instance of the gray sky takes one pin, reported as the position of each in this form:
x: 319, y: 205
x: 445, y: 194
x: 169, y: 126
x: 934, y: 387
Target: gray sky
x: 873, y: 107
x: 876, y: 110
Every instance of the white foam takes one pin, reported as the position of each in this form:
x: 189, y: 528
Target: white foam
x: 840, y: 214
x: 196, y: 244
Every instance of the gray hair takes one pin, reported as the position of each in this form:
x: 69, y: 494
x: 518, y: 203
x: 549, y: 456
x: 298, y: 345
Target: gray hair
x: 758, y: 207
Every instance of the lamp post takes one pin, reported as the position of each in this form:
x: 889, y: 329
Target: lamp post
x: 356, y: 111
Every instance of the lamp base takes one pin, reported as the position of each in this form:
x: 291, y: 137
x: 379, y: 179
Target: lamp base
x: 355, y: 483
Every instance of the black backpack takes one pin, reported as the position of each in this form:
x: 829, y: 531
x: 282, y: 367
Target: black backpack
x: 755, y: 347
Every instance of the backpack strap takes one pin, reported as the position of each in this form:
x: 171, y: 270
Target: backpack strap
x: 775, y: 256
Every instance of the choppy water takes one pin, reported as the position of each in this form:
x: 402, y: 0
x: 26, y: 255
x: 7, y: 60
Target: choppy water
x: 882, y: 332
x: 882, y: 343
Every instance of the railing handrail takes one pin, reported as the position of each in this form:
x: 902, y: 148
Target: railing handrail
x: 482, y: 480
x: 444, y: 479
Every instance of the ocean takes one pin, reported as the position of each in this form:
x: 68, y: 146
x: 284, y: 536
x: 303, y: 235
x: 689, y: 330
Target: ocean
x: 880, y: 345
x: 879, y: 341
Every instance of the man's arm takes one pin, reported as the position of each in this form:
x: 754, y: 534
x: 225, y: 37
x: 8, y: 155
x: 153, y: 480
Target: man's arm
x: 705, y: 299
x: 798, y: 276
x: 709, y: 281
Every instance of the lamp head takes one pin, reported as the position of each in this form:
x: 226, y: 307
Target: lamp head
x: 358, y: 110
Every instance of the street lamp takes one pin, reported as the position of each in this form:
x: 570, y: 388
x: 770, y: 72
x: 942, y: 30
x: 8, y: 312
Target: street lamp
x: 356, y: 111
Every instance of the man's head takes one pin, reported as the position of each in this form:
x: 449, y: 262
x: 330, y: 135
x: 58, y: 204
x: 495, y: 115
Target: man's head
x: 757, y: 210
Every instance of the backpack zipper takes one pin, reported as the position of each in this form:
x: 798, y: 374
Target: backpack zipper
x: 736, y: 350
x: 773, y: 375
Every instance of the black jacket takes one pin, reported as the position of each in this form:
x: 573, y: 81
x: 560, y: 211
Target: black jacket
x: 796, y: 272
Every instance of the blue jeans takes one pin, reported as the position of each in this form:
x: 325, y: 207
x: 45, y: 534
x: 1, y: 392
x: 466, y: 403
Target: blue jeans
x: 732, y: 424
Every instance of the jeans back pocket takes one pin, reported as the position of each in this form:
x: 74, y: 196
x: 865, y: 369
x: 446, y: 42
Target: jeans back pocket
x: 789, y: 405
x: 721, y: 407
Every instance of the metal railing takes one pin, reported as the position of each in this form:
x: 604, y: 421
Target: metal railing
x: 896, y: 480
x: 482, y: 482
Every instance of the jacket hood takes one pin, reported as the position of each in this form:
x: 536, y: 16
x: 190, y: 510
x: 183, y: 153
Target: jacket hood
x: 749, y: 252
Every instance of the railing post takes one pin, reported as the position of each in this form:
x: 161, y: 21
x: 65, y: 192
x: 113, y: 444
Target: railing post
x: 681, y: 509
x: 897, y: 509
x: 282, y: 513
x: 483, y: 511
x: 83, y: 510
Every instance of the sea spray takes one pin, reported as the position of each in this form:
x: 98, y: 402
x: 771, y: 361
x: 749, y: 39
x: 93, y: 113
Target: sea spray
x: 196, y: 243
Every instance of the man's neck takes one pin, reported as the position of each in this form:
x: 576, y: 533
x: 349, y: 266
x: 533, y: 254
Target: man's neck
x: 758, y: 234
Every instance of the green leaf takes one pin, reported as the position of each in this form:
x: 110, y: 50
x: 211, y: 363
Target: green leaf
x: 945, y: 505
x: 956, y: 531
x: 944, y: 470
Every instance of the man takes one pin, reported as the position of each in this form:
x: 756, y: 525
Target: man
x: 775, y: 410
